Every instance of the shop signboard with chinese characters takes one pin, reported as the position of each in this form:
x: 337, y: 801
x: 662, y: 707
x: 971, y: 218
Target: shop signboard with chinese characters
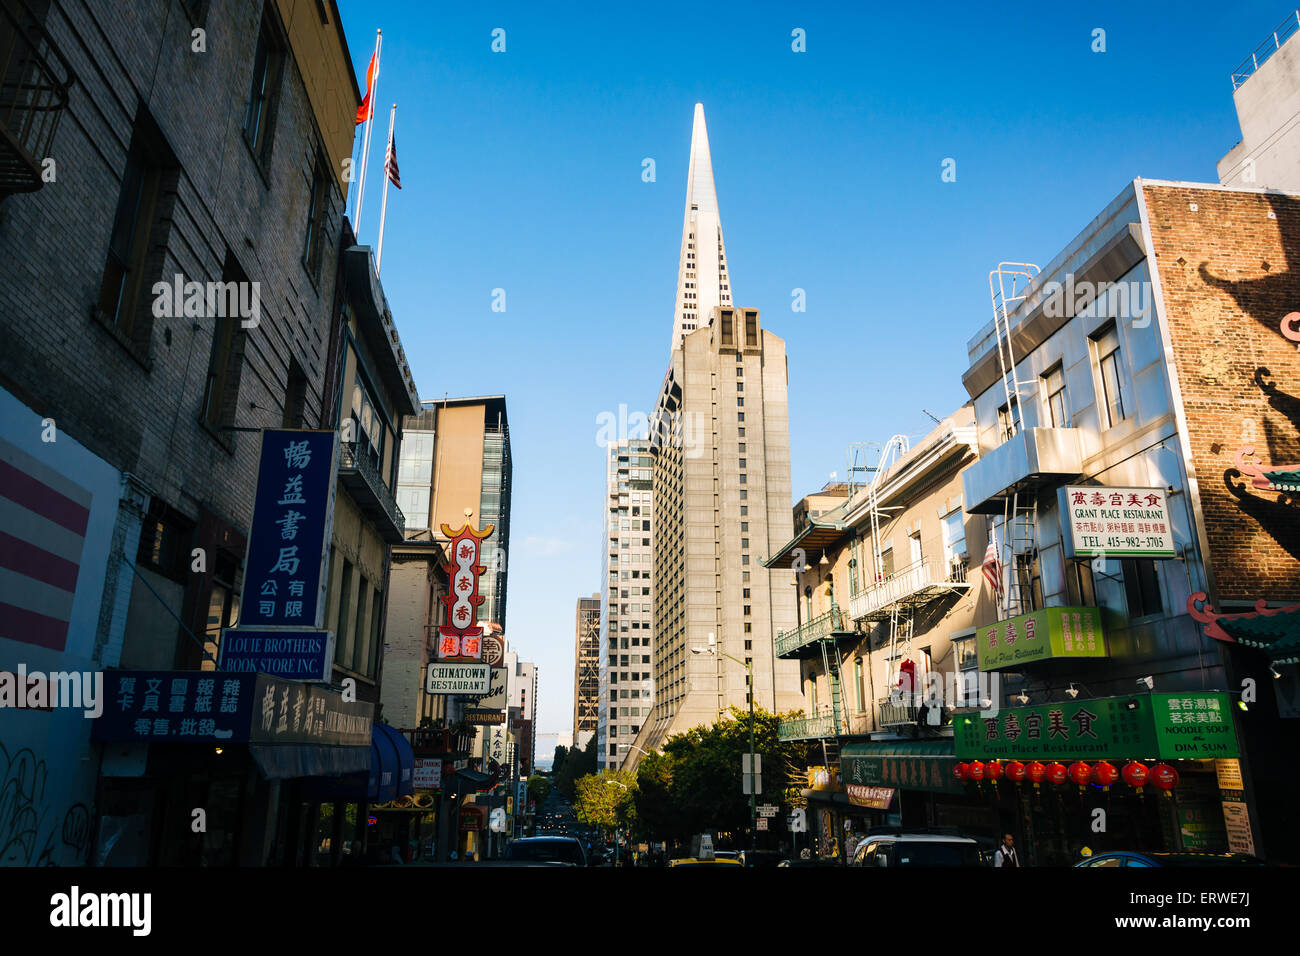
x: 1119, y: 522
x: 285, y: 576
x: 293, y: 655
x: 497, y: 745
x: 1144, y: 725
x: 902, y: 772
x: 1049, y: 632
x: 183, y: 706
x: 875, y: 798
x: 461, y: 638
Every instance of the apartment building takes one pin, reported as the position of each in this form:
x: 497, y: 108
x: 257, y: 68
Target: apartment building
x: 586, y: 669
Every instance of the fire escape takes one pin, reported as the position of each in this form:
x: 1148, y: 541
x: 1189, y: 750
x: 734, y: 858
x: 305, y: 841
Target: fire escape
x: 34, y: 83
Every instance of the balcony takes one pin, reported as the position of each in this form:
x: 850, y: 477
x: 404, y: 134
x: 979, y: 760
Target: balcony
x: 361, y: 478
x: 802, y: 641
x: 807, y: 728
x: 897, y: 711
x: 1027, y: 462
x: 34, y: 82
x: 924, y: 581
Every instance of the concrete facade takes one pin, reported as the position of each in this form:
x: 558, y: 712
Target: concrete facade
x: 1266, y: 92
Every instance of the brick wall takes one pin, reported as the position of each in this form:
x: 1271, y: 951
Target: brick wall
x: 1230, y: 271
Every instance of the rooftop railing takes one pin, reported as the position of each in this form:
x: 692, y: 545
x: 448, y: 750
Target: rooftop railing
x: 1266, y: 49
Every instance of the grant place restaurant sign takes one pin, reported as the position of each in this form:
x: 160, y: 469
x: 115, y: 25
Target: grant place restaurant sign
x: 1193, y: 725
x: 1119, y: 522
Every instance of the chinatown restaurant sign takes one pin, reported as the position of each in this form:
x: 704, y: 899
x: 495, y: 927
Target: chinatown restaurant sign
x: 1192, y: 725
x: 1048, y: 632
x: 285, y: 580
x: 461, y: 638
x: 1119, y: 522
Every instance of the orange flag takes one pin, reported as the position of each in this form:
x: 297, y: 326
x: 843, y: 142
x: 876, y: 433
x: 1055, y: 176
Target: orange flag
x: 365, y: 110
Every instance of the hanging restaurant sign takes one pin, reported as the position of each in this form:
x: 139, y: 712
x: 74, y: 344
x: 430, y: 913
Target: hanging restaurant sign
x: 461, y: 638
x: 876, y: 798
x: 1193, y: 725
x: 1119, y: 522
x: 293, y: 509
x: 1047, y: 632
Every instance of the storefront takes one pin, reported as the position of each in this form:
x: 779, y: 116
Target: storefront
x: 1153, y: 772
x: 215, y: 768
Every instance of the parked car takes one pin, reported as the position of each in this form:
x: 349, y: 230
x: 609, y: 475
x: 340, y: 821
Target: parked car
x: 1130, y: 858
x: 917, y: 849
x: 547, y: 850
x: 716, y: 863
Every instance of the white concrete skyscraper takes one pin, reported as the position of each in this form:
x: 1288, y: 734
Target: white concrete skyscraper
x: 702, y: 280
x: 720, y: 447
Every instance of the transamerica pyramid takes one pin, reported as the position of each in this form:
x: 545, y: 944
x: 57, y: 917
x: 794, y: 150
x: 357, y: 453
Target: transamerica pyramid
x: 702, y: 281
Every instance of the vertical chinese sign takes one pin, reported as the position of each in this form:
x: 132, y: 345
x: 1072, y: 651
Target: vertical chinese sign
x: 285, y: 578
x: 461, y: 638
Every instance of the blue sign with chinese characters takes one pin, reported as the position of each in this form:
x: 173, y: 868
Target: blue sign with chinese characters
x: 284, y: 577
x: 294, y: 655
x: 176, y: 706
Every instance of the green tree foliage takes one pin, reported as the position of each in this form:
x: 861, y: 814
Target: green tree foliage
x: 577, y: 764
x: 607, y: 799
x: 557, y: 762
x: 694, y: 786
x: 539, y: 788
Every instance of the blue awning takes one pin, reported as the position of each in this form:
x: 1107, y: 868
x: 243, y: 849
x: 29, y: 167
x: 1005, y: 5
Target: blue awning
x: 405, y: 756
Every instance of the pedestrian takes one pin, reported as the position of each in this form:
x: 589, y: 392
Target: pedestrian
x: 1006, y: 853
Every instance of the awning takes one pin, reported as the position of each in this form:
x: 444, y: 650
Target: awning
x: 1277, y: 634
x: 903, y: 764
x: 286, y: 761
x: 405, y: 758
x: 379, y: 774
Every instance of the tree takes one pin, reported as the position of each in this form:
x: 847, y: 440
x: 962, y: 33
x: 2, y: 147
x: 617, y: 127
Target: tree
x: 557, y: 762
x: 695, y: 785
x: 538, y: 788
x: 607, y: 799
x: 577, y: 764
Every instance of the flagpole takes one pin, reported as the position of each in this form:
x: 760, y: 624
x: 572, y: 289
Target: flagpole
x: 383, y: 206
x: 365, y: 139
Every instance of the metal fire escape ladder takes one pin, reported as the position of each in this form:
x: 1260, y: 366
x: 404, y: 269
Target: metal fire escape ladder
x: 1008, y: 285
x: 831, y: 662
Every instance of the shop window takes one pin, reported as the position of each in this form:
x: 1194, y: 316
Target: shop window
x: 1141, y: 587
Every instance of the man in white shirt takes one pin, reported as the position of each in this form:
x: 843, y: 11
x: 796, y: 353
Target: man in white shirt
x: 1006, y: 854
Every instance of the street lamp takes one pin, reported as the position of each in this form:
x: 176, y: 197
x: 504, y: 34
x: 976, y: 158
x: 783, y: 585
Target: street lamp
x: 753, y: 797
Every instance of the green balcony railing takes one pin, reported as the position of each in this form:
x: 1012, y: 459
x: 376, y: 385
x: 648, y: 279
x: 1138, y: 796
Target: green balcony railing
x: 804, y: 728
x: 819, y: 628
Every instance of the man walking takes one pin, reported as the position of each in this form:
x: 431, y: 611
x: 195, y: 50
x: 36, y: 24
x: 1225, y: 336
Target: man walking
x: 1006, y: 854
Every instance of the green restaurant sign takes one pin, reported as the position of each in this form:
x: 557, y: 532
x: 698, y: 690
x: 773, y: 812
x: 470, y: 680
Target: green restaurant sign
x: 1049, y: 632
x: 903, y: 772
x: 1193, y: 725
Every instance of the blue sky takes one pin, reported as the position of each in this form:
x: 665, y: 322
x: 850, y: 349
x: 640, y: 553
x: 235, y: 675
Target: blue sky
x: 522, y: 171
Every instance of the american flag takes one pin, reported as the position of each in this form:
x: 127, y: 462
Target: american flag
x: 390, y: 163
x: 992, y: 567
x: 43, y: 521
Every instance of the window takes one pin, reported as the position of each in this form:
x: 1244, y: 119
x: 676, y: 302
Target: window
x: 1058, y: 407
x: 342, y: 652
x: 358, y: 661
x: 740, y: 432
x: 954, y: 543
x: 142, y: 209
x: 1009, y: 421
x: 259, y: 117
x: 1108, y: 367
x: 165, y: 541
x: 751, y: 330
x: 367, y: 426
x: 740, y: 416
x: 221, y: 393
x: 295, y: 397
x: 886, y: 564
x: 857, y: 685
x: 914, y: 548
x: 1141, y: 587
x: 317, y: 220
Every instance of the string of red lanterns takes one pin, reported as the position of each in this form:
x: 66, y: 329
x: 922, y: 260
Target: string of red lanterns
x: 1104, y: 774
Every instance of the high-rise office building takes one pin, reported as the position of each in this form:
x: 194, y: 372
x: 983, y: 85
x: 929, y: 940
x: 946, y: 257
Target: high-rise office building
x: 625, y: 691
x: 720, y: 448
x: 586, y: 670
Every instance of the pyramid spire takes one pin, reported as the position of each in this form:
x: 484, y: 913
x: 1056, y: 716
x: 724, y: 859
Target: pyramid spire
x: 702, y: 280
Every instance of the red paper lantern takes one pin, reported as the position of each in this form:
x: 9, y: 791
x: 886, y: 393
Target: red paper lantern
x: 1036, y: 772
x: 1056, y: 773
x: 993, y: 771
x: 1016, y: 771
x: 1164, y: 777
x: 1135, y: 774
x: 1104, y: 775
x: 976, y: 770
x: 961, y: 771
